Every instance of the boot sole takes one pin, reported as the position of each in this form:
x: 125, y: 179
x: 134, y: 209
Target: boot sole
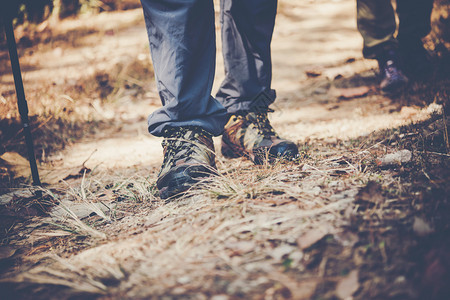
x: 182, y: 178
x: 259, y: 157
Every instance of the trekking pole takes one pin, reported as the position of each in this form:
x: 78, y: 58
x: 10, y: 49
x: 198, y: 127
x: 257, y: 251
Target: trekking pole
x: 21, y: 101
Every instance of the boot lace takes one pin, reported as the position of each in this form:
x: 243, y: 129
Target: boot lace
x: 180, y: 143
x: 262, y: 123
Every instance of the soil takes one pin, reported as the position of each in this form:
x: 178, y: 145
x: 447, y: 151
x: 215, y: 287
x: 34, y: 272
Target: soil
x: 362, y: 214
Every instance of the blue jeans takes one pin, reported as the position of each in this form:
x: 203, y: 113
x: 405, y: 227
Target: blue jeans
x: 182, y: 43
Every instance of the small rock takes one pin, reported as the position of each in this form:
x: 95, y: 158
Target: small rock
x: 400, y: 279
x: 316, y: 191
x: 220, y: 297
x: 184, y: 280
x: 399, y: 157
x: 421, y: 228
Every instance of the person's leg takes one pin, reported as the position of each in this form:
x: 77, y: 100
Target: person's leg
x: 376, y: 23
x: 414, y: 24
x: 182, y: 43
x: 414, y: 19
x: 247, y: 28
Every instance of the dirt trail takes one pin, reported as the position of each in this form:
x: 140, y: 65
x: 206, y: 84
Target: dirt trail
x: 322, y: 228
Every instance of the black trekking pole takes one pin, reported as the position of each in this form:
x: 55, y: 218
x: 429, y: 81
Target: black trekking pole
x: 21, y: 101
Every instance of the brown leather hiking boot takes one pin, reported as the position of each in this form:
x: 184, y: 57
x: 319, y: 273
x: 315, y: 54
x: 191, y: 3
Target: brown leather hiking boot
x: 188, y: 157
x: 250, y: 134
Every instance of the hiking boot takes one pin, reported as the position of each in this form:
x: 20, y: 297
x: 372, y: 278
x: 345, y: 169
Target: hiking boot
x: 188, y: 157
x: 393, y: 81
x: 250, y: 134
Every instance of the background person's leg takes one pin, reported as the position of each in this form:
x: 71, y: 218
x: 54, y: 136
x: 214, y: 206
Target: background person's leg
x: 247, y: 28
x: 414, y: 18
x: 182, y: 43
x: 377, y: 25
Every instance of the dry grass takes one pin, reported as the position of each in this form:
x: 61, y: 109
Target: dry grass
x: 241, y: 226
x: 237, y: 233
x: 253, y: 231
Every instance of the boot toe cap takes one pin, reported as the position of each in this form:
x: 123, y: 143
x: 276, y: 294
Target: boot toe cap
x: 285, y: 149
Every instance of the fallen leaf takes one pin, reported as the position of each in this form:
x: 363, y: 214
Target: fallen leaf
x: 78, y: 174
x: 350, y: 60
x: 347, y: 286
x: 339, y: 173
x: 51, y: 233
x: 106, y: 196
x: 313, y: 73
x: 313, y: 236
x: 350, y: 93
x: 80, y: 210
x: 241, y: 247
x: 56, y: 175
x: 16, y: 164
